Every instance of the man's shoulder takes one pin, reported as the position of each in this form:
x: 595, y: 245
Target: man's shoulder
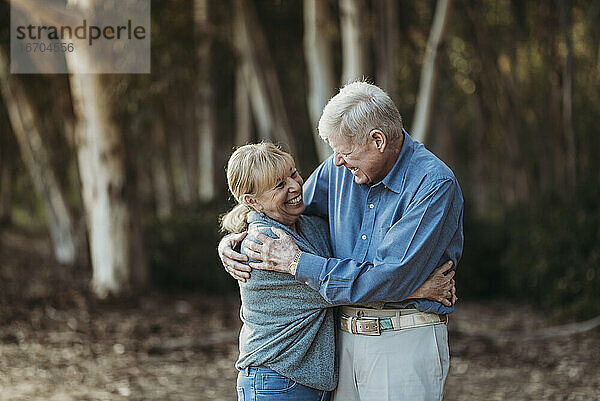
x: 426, y: 167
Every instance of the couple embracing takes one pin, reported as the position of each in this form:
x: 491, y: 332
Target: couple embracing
x: 352, y: 276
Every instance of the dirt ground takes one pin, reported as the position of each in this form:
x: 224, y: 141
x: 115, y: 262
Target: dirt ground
x: 58, y: 343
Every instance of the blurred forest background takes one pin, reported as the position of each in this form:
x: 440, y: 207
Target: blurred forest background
x: 122, y: 176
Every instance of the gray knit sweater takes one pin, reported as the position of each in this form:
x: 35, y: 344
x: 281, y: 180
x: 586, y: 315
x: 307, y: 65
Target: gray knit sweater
x: 287, y: 326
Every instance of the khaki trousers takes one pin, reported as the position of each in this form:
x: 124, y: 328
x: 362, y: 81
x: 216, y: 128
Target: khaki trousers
x: 403, y: 365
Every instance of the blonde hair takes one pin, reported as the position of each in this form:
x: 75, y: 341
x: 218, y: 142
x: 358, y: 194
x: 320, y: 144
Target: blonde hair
x: 252, y: 170
x: 356, y: 110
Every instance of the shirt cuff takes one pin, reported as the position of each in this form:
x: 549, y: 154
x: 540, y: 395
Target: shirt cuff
x: 309, y: 270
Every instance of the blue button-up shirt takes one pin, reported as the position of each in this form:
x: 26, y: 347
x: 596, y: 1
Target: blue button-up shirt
x: 388, y: 237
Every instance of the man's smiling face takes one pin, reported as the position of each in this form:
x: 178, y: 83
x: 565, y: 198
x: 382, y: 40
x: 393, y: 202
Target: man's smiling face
x: 365, y: 162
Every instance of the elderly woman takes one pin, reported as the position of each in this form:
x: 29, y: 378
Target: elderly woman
x: 287, y: 341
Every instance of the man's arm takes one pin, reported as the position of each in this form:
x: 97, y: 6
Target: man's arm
x: 439, y: 286
x: 409, y: 252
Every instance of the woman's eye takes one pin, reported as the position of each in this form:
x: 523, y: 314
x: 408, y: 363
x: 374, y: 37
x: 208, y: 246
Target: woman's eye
x: 280, y: 185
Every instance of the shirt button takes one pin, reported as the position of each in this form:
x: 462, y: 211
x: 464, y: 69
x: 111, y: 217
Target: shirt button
x: 371, y: 206
x: 364, y: 237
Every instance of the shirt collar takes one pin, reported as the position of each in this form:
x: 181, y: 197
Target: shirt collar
x: 394, y: 179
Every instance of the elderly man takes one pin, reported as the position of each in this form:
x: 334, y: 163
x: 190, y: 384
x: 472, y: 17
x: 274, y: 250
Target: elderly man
x: 395, y: 213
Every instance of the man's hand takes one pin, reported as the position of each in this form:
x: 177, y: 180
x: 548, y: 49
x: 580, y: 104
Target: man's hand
x: 439, y: 287
x: 232, y: 260
x: 275, y: 253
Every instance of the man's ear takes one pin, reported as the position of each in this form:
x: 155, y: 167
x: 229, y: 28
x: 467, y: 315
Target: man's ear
x: 378, y: 138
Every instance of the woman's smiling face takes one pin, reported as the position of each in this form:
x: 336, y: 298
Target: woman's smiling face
x: 283, y: 203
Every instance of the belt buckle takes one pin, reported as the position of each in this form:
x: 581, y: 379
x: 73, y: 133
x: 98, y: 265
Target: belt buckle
x: 369, y: 326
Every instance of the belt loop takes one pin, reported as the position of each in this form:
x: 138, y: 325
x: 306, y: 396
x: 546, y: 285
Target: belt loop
x: 349, y: 324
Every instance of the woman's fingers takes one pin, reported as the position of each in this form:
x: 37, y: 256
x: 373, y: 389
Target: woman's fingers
x: 238, y: 275
x: 226, y: 245
x: 233, y: 256
x: 242, y: 267
x: 232, y: 260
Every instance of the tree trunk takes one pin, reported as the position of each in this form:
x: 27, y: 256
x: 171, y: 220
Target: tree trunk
x: 319, y: 64
x: 261, y: 78
x: 7, y: 160
x: 163, y: 191
x: 429, y: 72
x: 179, y: 168
x: 353, y: 65
x: 114, y: 235
x: 6, y: 175
x: 205, y: 106
x: 567, y: 96
x: 243, y: 114
x: 37, y: 160
x: 386, y: 46
x: 243, y: 102
x: 598, y: 62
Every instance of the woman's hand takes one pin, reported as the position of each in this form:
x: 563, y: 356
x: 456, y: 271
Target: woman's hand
x: 232, y: 260
x: 275, y: 254
x: 439, y: 287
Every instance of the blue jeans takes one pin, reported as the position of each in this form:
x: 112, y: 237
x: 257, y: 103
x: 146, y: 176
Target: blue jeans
x: 264, y: 384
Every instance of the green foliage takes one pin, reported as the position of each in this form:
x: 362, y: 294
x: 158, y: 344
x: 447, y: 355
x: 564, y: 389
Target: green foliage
x: 182, y: 254
x: 546, y: 252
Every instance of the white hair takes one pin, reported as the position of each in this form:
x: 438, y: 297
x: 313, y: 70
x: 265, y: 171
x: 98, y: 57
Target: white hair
x: 356, y: 110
